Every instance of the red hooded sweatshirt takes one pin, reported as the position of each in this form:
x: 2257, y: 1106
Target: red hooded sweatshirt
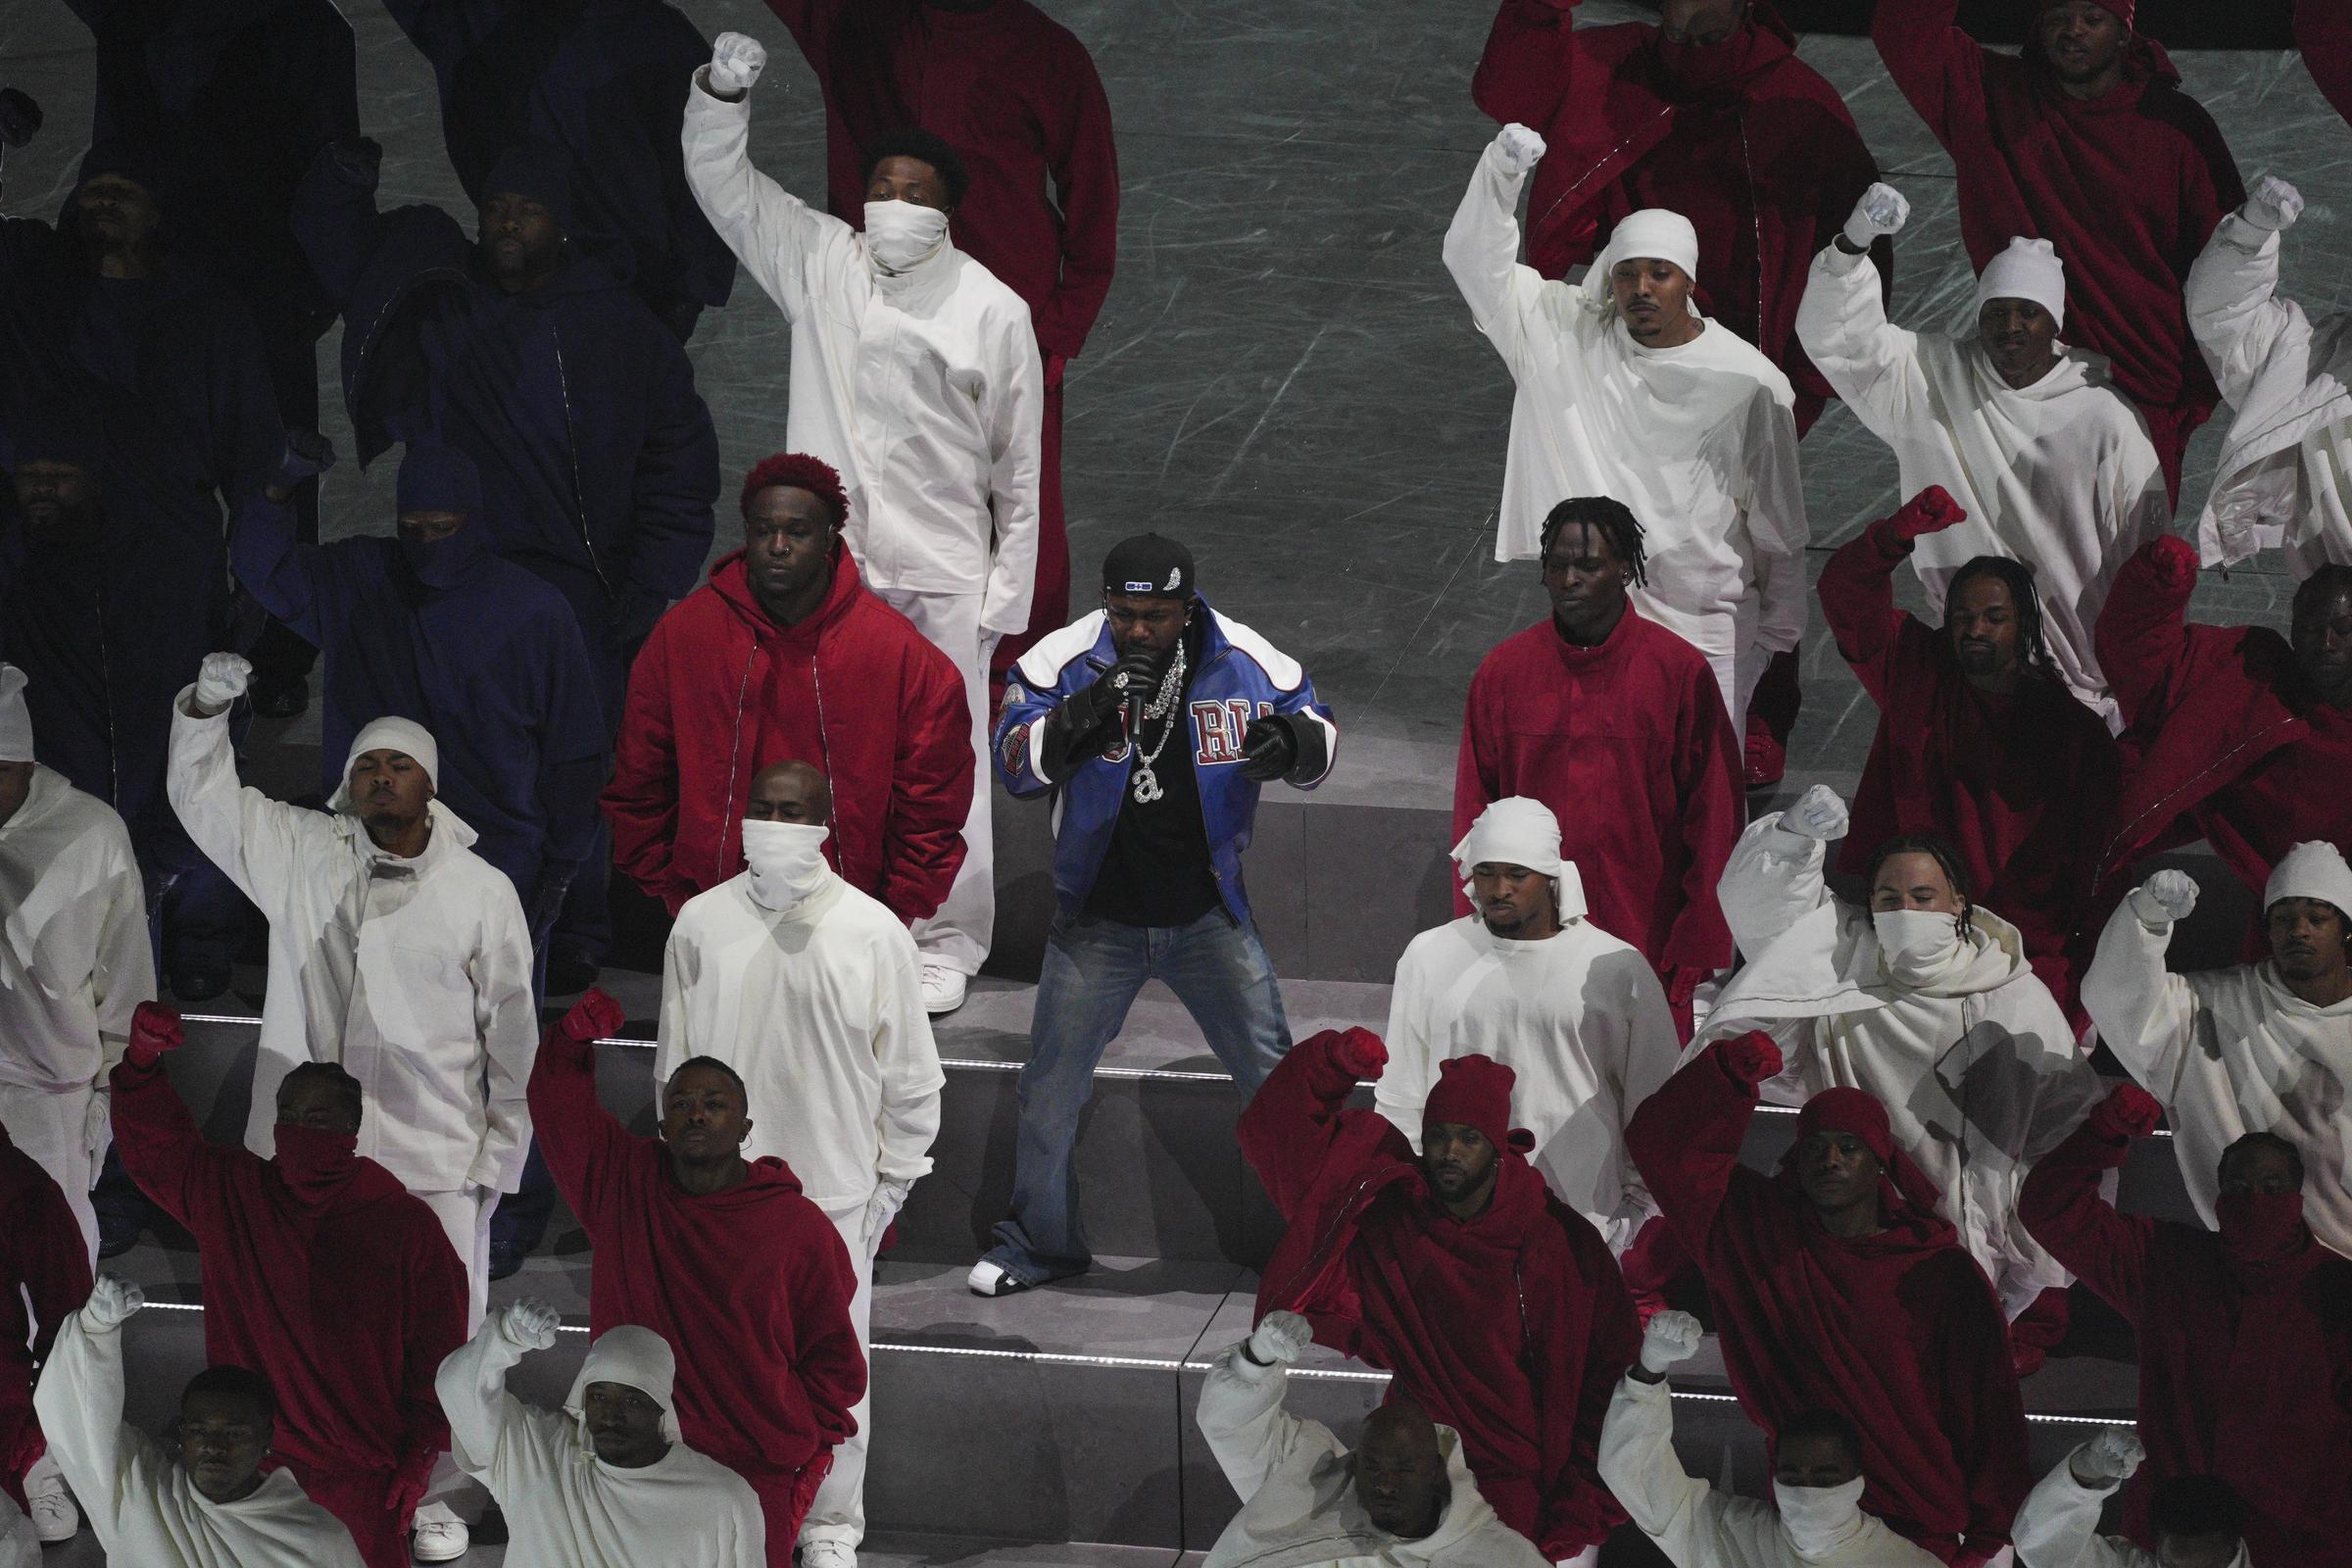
x: 2324, y: 34
x: 720, y: 691
x: 2246, y: 1347
x: 2127, y: 187
x: 1900, y: 1330
x: 2019, y: 785
x: 2230, y: 747
x: 1751, y: 144
x: 751, y: 1287
x: 321, y: 1273
x: 44, y: 1258
x: 1512, y: 1328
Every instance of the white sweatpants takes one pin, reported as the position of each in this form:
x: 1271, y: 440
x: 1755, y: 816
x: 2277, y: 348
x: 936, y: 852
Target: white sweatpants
x: 464, y: 1215
x: 52, y: 1127
x: 959, y: 936
x: 838, y: 1511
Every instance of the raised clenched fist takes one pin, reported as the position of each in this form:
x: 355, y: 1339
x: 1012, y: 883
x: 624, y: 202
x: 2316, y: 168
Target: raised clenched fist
x: 1280, y: 1338
x: 1752, y: 1057
x: 736, y: 61
x: 1931, y: 511
x: 1819, y: 814
x: 531, y: 1324
x: 2165, y: 899
x: 1522, y: 149
x: 1669, y: 1338
x: 1883, y: 210
x: 594, y: 1017
x: 2272, y: 204
x: 2129, y: 1111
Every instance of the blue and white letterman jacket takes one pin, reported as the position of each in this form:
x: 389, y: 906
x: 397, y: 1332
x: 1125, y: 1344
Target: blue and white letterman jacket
x: 1240, y: 677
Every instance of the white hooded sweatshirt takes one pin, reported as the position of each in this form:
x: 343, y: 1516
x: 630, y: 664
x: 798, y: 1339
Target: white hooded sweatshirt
x: 566, y: 1508
x: 922, y: 387
x: 1698, y: 441
x: 1969, y: 1055
x: 820, y: 1010
x: 2058, y: 1527
x: 74, y: 962
x: 2286, y: 476
x: 415, y: 975
x: 139, y: 1501
x: 1298, y: 1490
x: 2060, y: 474
x: 1698, y: 1527
x: 2230, y: 1052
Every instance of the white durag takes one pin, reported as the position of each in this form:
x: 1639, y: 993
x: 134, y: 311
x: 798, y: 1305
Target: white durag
x: 1518, y: 831
x: 2029, y: 270
x: 636, y: 1357
x: 2312, y: 871
x: 1652, y: 232
x: 404, y: 735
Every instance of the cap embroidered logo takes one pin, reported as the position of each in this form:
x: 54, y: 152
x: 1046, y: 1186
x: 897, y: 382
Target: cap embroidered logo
x: 1175, y: 579
x: 1137, y: 587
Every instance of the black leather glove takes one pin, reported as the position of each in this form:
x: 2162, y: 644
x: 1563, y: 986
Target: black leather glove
x: 1079, y: 725
x: 1269, y: 749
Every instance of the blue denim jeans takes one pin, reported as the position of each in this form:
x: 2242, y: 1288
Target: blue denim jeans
x: 1093, y: 968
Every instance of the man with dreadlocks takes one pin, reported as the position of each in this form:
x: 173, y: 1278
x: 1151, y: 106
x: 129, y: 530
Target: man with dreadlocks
x: 1614, y: 723
x: 1978, y: 741
x: 2052, y: 465
x: 1927, y: 1002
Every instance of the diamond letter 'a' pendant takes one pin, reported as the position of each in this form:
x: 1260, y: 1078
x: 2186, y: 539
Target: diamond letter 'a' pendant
x: 1147, y: 785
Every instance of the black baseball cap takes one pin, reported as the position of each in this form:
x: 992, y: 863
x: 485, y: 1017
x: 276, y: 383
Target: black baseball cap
x: 1148, y: 563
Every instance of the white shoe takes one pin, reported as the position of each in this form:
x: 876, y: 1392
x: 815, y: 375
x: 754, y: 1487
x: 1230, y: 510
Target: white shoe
x: 994, y: 1279
x: 442, y: 1541
x: 54, y: 1516
x: 943, y: 987
x: 827, y: 1554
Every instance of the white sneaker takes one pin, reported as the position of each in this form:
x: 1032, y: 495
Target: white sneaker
x: 943, y: 987
x: 827, y: 1554
x: 993, y: 1279
x: 441, y: 1541
x: 54, y: 1516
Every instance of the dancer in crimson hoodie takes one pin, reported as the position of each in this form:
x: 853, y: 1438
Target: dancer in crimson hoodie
x: 1498, y: 1308
x: 320, y: 1271
x: 2246, y: 1337
x: 1836, y: 1287
x: 721, y: 1256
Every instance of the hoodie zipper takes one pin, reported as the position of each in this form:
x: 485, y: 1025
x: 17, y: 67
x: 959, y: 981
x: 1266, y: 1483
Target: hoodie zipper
x: 742, y: 690
x: 571, y: 451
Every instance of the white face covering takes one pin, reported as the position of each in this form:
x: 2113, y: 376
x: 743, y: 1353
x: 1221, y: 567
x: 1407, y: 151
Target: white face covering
x: 901, y: 236
x: 787, y: 861
x: 1916, y: 946
x: 1820, y: 1519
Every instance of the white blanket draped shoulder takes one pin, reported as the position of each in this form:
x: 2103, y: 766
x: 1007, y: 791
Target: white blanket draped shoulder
x: 74, y: 961
x: 2285, y: 480
x: 1298, y: 1490
x: 2230, y: 1052
x: 2060, y: 474
x: 820, y: 1010
x: 137, y: 1497
x: 1698, y: 1526
x: 1579, y: 1016
x: 1698, y: 441
x: 925, y: 388
x: 1976, y: 1065
x: 414, y: 975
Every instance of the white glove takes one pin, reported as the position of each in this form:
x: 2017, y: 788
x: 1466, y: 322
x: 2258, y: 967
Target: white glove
x: 880, y: 1209
x: 111, y: 1303
x: 2165, y: 898
x: 1817, y: 814
x: 1522, y: 148
x: 736, y: 61
x: 98, y: 1123
x: 1671, y: 1337
x: 531, y: 1323
x: 221, y: 680
x: 1282, y: 1337
x: 2108, y: 1458
x: 1883, y: 210
x: 2272, y: 204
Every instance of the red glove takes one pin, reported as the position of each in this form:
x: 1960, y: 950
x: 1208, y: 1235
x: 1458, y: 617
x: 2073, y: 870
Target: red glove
x: 593, y: 1018
x: 1931, y: 511
x: 410, y: 1479
x: 1749, y: 1059
x: 2129, y: 1112
x: 2173, y: 562
x: 154, y: 1030
x: 1358, y: 1052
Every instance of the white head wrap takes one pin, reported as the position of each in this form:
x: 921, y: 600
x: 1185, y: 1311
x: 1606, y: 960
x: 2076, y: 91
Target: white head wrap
x: 635, y: 1357
x: 2029, y: 270
x: 1652, y: 232
x: 2312, y: 870
x: 404, y: 735
x: 1518, y: 831
x: 15, y: 719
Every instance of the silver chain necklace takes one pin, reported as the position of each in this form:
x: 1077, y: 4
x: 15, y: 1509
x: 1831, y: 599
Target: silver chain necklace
x: 1163, y: 702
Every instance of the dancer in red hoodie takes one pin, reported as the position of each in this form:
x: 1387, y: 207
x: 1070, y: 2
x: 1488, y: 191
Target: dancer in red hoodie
x: 1498, y: 1308
x: 1836, y: 1287
x: 785, y: 653
x: 2245, y: 1338
x: 321, y: 1273
x: 721, y: 1256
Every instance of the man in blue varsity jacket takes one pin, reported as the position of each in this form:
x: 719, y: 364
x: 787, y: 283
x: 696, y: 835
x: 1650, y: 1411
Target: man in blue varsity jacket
x: 1154, y: 720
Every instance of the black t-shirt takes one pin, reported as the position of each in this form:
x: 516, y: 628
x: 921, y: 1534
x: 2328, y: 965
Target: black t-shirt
x: 1156, y: 870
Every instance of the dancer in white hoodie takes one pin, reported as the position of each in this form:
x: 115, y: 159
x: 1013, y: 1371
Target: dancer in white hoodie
x: 915, y: 374
x: 2198, y: 1521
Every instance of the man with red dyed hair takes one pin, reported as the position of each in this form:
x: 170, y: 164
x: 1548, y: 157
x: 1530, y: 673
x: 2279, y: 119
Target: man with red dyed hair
x: 785, y: 653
